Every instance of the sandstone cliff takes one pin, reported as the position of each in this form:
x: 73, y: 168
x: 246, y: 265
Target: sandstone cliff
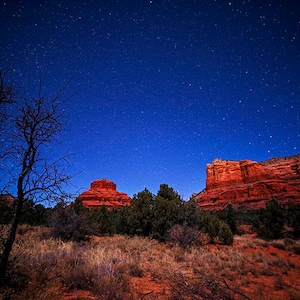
x: 104, y: 192
x: 249, y: 185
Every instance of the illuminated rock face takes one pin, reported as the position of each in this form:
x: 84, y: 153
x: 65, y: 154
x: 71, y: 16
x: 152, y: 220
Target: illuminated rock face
x: 104, y: 192
x: 250, y: 185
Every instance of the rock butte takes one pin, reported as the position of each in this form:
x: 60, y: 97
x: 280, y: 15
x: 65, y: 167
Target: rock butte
x: 104, y: 192
x: 248, y: 184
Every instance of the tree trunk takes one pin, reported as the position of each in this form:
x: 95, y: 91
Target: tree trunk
x: 10, y: 240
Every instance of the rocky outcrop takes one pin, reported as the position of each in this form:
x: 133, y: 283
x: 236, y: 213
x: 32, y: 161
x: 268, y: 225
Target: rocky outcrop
x: 249, y: 185
x: 104, y: 192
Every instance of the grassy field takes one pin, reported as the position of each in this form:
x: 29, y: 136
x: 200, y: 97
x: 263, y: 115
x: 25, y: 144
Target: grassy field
x: 122, y: 267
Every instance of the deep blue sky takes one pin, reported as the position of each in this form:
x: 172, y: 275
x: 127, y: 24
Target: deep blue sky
x: 163, y: 87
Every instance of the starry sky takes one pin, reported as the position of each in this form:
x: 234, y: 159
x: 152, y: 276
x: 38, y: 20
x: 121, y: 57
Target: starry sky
x: 162, y: 87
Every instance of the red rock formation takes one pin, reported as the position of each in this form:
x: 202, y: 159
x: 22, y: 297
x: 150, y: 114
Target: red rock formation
x: 104, y: 192
x: 249, y: 185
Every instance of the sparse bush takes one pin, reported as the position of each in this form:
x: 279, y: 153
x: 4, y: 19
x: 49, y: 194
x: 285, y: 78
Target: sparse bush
x: 202, y: 238
x: 70, y: 222
x: 182, y: 235
x: 225, y: 234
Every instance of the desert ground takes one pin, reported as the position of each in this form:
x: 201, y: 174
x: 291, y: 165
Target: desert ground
x: 122, y: 267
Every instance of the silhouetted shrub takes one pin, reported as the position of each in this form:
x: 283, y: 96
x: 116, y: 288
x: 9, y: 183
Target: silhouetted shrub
x: 34, y: 214
x: 6, y: 212
x: 293, y: 219
x: 269, y: 222
x: 141, y: 215
x: 190, y: 214
x: 229, y: 216
x: 102, y: 221
x: 70, y: 223
x: 167, y: 217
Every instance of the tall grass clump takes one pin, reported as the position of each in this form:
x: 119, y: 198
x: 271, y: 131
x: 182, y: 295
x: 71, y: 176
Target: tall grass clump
x: 45, y: 268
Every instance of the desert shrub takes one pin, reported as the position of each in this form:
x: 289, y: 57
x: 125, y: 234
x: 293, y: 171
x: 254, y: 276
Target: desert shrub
x: 225, y: 234
x: 126, y: 216
x: 269, y: 222
x: 216, y: 229
x: 190, y: 214
x: 6, y: 212
x: 229, y: 216
x: 70, y: 222
x: 168, y: 193
x: 140, y: 215
x: 183, y: 236
x: 151, y: 215
x: 293, y: 219
x: 211, y: 225
x: 165, y: 215
x: 102, y: 221
x: 165, y: 211
x: 34, y: 214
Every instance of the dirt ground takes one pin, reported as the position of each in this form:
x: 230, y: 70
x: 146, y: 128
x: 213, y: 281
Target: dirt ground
x: 272, y: 273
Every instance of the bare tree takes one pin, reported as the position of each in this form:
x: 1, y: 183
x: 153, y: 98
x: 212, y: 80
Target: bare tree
x: 6, y: 101
x: 6, y: 90
x: 34, y: 125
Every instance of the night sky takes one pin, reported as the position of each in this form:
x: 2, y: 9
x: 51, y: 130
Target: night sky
x: 162, y: 87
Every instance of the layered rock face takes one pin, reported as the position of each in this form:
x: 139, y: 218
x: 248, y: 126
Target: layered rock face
x: 104, y: 192
x: 250, y: 185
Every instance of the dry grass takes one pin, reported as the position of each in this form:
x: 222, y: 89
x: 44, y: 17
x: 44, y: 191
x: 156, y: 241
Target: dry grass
x: 121, y: 267
x: 287, y: 245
